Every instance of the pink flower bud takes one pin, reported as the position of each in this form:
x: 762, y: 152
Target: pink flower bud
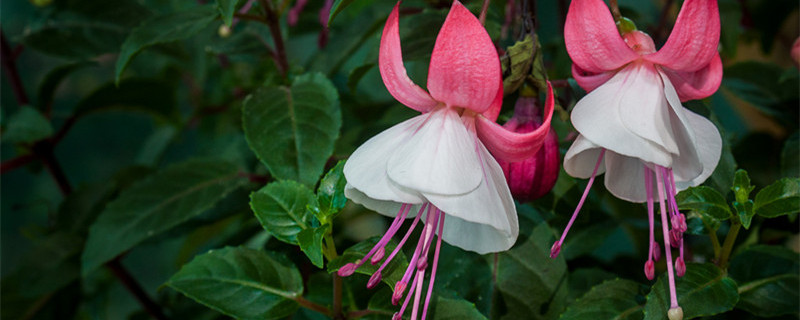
x: 374, y: 280
x: 555, y: 250
x: 347, y: 270
x: 378, y: 256
x: 680, y: 267
x: 649, y: 269
x: 399, y: 288
x: 531, y: 178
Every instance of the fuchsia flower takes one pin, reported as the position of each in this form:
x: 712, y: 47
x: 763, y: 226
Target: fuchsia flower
x: 534, y: 177
x: 632, y: 124
x: 437, y: 165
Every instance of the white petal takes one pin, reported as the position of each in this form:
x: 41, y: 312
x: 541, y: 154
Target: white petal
x: 708, y: 144
x: 439, y: 158
x: 643, y: 107
x: 366, y: 169
x: 598, y: 117
x: 385, y: 207
x: 625, y: 177
x: 581, y: 158
x: 699, y: 142
x: 484, y: 220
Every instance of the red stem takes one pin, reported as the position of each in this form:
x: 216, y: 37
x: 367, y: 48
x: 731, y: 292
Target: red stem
x: 8, y: 58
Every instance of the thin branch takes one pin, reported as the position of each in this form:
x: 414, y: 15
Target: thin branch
x: 8, y: 58
x: 615, y: 10
x: 273, y: 22
x: 16, y: 162
x: 658, y: 33
x: 337, y: 297
x: 484, y: 9
x: 44, y: 151
x: 256, y: 178
x: 250, y: 17
x: 130, y: 283
x: 308, y: 304
x: 363, y: 313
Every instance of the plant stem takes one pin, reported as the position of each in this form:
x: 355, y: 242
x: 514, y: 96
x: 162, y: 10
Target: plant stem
x: 712, y: 234
x: 730, y: 239
x: 308, y: 304
x: 615, y: 10
x: 484, y: 9
x: 8, y: 58
x: 662, y: 21
x: 272, y: 21
x: 130, y: 283
x: 337, y: 297
x: 16, y: 162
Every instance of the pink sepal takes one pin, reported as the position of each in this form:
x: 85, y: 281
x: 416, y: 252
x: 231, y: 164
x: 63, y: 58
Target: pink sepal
x: 694, y: 39
x: 393, y: 72
x: 510, y: 146
x: 588, y: 80
x: 494, y: 110
x: 592, y: 39
x: 698, y: 84
x: 463, y: 62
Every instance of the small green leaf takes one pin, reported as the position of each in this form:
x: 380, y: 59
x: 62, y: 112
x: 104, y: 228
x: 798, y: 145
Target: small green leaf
x: 517, y: 65
x: 779, y: 198
x: 242, y: 283
x: 48, y: 86
x: 281, y: 209
x: 745, y: 212
x: 705, y: 201
x: 768, y: 278
x: 78, y: 40
x: 164, y: 28
x: 310, y: 241
x: 741, y: 186
x: 703, y: 291
x: 226, y: 9
x: 450, y: 306
x: 356, y: 74
x: 391, y: 274
x: 330, y: 194
x: 336, y: 8
x: 145, y: 95
x: 613, y: 299
x: 155, y: 205
x: 293, y: 130
x: 49, y: 265
x: 27, y: 126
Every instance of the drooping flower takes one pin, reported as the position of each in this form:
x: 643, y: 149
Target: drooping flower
x: 632, y: 125
x: 438, y: 165
x: 533, y: 177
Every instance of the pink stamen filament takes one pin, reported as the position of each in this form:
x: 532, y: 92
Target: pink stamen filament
x: 402, y: 241
x: 398, y: 221
x: 435, y: 263
x: 664, y: 228
x: 412, y: 265
x: 408, y: 297
x: 557, y: 246
x: 648, y: 185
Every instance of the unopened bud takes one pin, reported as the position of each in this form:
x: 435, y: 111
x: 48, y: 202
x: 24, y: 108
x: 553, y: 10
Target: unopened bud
x: 346, y: 270
x: 378, y: 256
x: 680, y: 267
x: 374, y: 280
x: 399, y: 288
x: 675, y: 313
x: 224, y: 31
x: 555, y: 250
x: 649, y: 269
x: 531, y: 178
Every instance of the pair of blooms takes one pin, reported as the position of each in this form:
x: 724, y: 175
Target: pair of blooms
x: 443, y: 163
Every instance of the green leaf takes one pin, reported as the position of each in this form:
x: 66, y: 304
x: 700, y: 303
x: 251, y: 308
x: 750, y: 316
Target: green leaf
x: 310, y: 241
x: 356, y: 74
x: 242, y: 283
x: 226, y: 9
x: 517, y: 65
x: 790, y: 162
x: 293, y: 130
x: 391, y: 274
x: 444, y: 305
x: 144, y: 95
x: 163, y: 28
x: 705, y: 201
x: 336, y: 8
x: 768, y: 278
x: 741, y: 190
x: 77, y: 40
x: 155, y: 205
x: 703, y: 291
x: 48, y: 86
x: 27, y: 126
x: 613, y: 299
x: 779, y: 198
x: 49, y: 265
x: 531, y: 285
x: 330, y: 194
x: 281, y: 209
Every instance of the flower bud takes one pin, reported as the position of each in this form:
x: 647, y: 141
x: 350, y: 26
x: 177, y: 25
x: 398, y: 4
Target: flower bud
x: 378, y: 256
x: 347, y: 270
x: 555, y: 250
x: 656, y: 251
x: 649, y: 269
x: 680, y: 267
x: 531, y: 178
x: 374, y: 280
